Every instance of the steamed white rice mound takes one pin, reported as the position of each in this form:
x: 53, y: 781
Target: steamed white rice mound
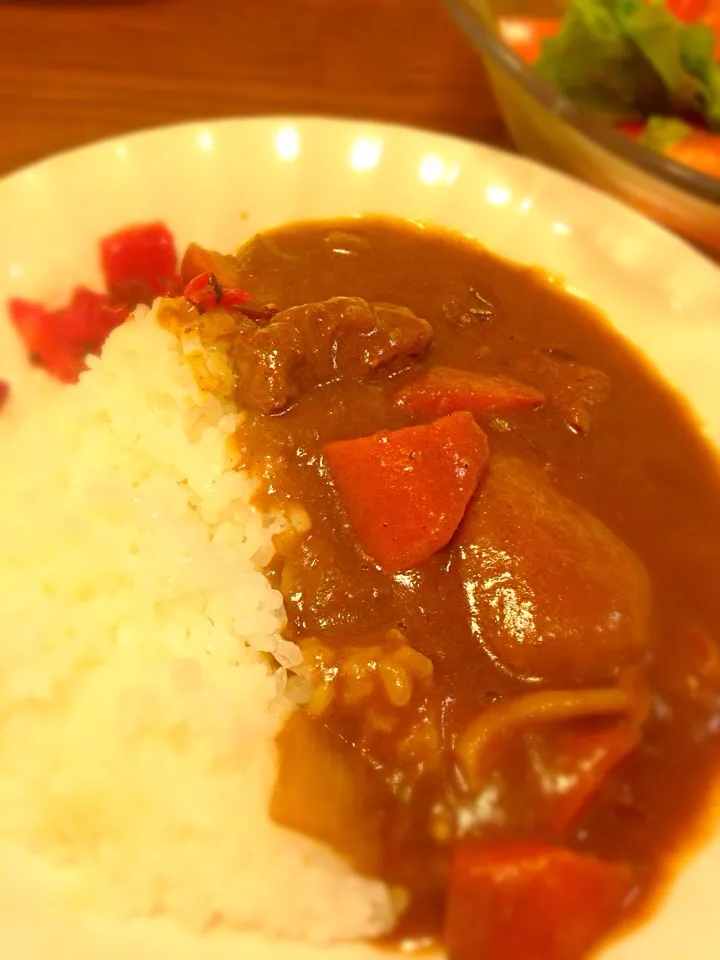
x: 137, y: 709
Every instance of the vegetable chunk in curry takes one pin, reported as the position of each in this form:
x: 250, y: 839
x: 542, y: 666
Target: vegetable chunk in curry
x: 500, y: 561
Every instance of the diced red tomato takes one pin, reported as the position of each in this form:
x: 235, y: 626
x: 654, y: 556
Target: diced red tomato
x: 205, y: 292
x: 443, y: 390
x: 688, y: 10
x: 4, y: 393
x: 526, y: 35
x: 700, y: 150
x: 140, y: 263
x: 632, y: 128
x: 405, y: 491
x: 712, y: 19
x: 59, y: 340
x: 571, y: 765
x: 527, y: 901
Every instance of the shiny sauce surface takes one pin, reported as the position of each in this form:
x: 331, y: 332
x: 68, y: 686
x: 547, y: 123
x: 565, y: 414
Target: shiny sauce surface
x: 401, y: 663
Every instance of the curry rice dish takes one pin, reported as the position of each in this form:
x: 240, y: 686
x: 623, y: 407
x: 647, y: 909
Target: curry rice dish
x: 366, y: 590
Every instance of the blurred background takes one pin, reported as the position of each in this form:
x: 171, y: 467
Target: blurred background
x: 71, y: 72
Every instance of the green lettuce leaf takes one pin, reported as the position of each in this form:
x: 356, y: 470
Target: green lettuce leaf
x: 595, y: 64
x: 661, y: 133
x: 633, y: 58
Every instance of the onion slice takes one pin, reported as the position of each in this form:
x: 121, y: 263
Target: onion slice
x: 484, y: 736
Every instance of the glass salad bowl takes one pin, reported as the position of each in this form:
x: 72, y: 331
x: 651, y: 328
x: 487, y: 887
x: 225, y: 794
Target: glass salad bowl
x: 547, y: 125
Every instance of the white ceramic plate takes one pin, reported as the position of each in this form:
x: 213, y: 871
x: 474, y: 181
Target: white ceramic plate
x: 216, y: 183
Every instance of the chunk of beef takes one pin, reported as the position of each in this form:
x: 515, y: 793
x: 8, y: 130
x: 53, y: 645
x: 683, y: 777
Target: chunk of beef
x: 223, y: 266
x: 315, y: 581
x: 316, y: 343
x: 552, y: 592
x: 572, y: 387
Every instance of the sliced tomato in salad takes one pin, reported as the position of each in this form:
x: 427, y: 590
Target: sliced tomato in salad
x: 526, y: 35
x: 712, y: 19
x: 688, y: 11
x: 700, y: 150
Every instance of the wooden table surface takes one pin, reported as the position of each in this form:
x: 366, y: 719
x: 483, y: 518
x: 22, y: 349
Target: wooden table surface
x: 71, y: 72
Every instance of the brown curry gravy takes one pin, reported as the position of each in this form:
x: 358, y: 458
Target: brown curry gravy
x: 635, y: 459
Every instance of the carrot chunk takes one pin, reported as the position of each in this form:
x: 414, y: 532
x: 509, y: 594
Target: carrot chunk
x: 572, y: 764
x: 444, y: 390
x: 527, y: 900
x: 405, y: 491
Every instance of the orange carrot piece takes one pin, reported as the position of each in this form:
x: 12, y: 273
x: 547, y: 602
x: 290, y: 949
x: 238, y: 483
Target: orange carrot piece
x: 573, y: 764
x: 405, y: 491
x: 444, y: 390
x: 527, y: 900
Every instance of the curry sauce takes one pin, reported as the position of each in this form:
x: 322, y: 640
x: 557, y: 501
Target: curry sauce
x: 541, y: 685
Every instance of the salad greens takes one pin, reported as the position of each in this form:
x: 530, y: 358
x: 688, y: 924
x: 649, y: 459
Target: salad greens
x: 660, y: 65
x: 661, y: 133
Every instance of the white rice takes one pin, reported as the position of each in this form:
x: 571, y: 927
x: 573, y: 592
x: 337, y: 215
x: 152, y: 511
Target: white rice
x: 137, y: 712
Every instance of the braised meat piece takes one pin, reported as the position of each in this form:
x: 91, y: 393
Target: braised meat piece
x: 315, y: 343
